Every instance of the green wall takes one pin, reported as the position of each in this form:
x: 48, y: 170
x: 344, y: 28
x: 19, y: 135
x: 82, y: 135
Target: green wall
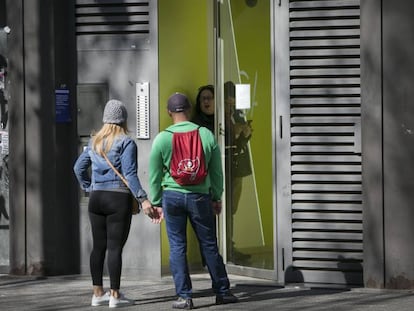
x: 184, y: 65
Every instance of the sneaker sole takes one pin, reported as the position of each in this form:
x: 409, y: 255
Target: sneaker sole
x: 100, y: 304
x: 185, y: 308
x: 122, y: 305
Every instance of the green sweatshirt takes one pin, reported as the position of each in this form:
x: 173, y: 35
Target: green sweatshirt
x: 160, y: 157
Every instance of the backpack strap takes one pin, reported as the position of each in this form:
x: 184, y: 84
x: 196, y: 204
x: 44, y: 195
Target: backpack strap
x: 198, y: 127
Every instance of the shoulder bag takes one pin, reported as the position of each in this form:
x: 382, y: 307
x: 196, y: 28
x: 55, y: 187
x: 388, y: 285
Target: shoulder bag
x: 135, y: 203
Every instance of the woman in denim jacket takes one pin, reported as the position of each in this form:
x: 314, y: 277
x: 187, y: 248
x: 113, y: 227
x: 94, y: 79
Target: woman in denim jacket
x: 110, y: 200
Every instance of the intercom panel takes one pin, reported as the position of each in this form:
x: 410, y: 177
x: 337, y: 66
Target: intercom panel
x: 142, y: 109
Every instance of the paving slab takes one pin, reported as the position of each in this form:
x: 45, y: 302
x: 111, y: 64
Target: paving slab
x: 74, y: 293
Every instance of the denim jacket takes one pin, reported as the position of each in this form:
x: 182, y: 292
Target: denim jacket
x: 123, y: 156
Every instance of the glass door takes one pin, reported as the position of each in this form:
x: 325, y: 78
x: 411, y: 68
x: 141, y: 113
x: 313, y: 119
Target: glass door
x: 244, y: 106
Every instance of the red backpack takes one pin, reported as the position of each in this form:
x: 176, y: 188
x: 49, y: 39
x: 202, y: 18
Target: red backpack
x: 187, y: 165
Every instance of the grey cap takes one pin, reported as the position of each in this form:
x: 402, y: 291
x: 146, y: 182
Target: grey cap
x: 114, y: 112
x: 178, y: 103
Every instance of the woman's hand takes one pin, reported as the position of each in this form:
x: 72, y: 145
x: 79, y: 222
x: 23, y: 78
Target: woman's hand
x: 247, y: 129
x: 147, y: 208
x: 238, y: 129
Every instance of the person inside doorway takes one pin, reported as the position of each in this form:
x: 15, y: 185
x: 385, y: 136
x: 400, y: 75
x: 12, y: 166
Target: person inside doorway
x: 238, y: 132
x: 205, y: 108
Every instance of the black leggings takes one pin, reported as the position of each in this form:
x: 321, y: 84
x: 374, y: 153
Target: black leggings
x: 110, y: 217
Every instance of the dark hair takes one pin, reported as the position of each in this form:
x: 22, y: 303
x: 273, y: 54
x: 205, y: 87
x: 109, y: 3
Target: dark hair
x: 229, y: 90
x: 201, y: 89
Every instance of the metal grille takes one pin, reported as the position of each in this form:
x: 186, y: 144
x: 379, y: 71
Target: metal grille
x: 112, y: 17
x: 113, y: 24
x: 325, y: 140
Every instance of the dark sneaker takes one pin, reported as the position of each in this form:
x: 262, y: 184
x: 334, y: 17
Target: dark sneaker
x: 226, y: 298
x: 183, y: 303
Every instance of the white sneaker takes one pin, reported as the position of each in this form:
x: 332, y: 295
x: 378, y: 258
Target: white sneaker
x: 122, y: 301
x: 100, y: 300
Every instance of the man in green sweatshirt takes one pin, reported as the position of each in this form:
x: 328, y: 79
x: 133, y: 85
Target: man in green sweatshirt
x: 197, y: 203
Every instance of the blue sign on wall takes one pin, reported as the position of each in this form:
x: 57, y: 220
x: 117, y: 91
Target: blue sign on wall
x: 62, y: 106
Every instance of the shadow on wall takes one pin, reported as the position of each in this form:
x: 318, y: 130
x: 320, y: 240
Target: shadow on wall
x: 350, y: 267
x: 3, y: 213
x: 293, y: 275
x: 352, y: 270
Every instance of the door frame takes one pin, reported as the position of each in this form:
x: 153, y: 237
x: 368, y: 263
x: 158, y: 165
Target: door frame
x: 283, y: 194
x: 219, y: 81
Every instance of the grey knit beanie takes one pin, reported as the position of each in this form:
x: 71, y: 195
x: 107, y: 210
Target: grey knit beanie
x: 114, y: 112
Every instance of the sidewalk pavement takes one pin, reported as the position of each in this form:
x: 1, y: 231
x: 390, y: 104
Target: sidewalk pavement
x: 74, y: 293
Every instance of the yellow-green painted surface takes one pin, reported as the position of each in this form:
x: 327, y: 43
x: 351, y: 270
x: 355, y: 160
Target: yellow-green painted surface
x: 184, y: 66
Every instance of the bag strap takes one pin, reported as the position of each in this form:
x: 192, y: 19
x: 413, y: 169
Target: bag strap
x: 198, y: 128
x: 115, y: 170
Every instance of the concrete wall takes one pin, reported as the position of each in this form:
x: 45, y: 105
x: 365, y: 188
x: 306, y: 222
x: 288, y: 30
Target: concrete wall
x: 118, y: 68
x: 43, y: 212
x: 49, y: 226
x: 4, y: 167
x: 388, y: 142
x: 398, y: 109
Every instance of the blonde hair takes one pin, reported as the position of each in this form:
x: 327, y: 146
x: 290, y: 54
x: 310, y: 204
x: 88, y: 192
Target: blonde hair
x: 102, y: 140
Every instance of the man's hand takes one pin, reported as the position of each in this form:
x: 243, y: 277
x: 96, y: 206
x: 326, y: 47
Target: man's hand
x: 216, y: 207
x: 158, y: 215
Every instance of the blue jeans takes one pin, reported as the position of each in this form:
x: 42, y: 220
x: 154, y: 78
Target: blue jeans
x: 196, y: 207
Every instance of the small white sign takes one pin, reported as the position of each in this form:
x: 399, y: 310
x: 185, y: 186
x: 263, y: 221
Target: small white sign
x: 243, y: 96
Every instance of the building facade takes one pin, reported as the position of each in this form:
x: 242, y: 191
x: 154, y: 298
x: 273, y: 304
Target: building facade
x: 325, y: 85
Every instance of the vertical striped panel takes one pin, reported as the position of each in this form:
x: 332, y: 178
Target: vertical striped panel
x: 325, y: 143
x: 112, y: 24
